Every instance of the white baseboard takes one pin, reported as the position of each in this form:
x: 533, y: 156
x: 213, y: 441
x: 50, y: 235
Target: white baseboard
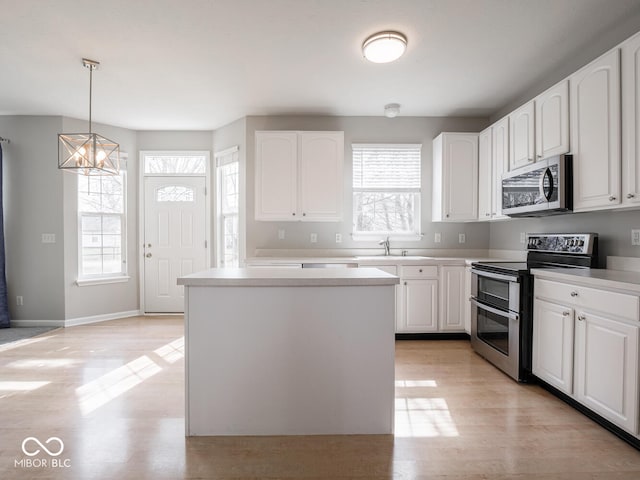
x: 72, y: 322
x: 37, y: 323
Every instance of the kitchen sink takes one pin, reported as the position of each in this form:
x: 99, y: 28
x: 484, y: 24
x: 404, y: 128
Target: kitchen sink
x: 392, y: 257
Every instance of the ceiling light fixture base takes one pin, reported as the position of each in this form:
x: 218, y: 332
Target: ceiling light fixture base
x: 391, y: 110
x: 384, y: 47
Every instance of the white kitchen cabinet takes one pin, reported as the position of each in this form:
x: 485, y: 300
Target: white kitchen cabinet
x: 485, y: 175
x: 299, y: 176
x: 499, y: 163
x: 585, y: 343
x: 552, y: 121
x: 455, y: 177
x: 452, y: 287
x: 606, y: 368
x: 553, y: 344
x: 630, y: 69
x: 521, y: 133
x: 418, y: 294
x: 468, y: 278
x: 595, y: 133
x: 276, y: 176
x: 419, y: 306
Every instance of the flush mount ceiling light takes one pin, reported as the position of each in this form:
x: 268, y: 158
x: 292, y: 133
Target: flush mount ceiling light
x: 391, y: 110
x: 384, y: 47
x: 88, y: 153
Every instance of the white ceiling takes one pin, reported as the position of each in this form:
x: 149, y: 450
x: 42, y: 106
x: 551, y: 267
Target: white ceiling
x: 200, y: 64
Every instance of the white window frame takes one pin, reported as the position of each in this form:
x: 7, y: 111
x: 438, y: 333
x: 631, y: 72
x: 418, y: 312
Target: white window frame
x: 416, y: 235
x: 223, y: 158
x: 105, y: 278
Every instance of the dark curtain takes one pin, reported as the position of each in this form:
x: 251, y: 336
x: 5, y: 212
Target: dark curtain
x: 4, y: 304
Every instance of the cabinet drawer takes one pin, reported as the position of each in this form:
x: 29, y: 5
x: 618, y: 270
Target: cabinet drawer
x: 419, y: 271
x: 618, y: 304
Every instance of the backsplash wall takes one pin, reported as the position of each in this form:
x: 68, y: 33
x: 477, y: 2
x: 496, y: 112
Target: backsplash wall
x: 613, y: 229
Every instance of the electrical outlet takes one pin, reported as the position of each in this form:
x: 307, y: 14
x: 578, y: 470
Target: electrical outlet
x: 281, y: 234
x: 462, y: 238
x: 313, y: 238
x: 523, y: 237
x: 635, y: 237
x: 19, y: 300
x: 338, y: 238
x: 437, y: 238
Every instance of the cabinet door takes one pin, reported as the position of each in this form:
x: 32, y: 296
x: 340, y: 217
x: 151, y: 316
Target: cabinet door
x: 460, y: 177
x: 552, y: 121
x: 485, y: 179
x: 321, y: 175
x: 276, y: 176
x: 521, y: 128
x: 607, y: 368
x: 595, y: 133
x: 499, y: 163
x: 419, y: 306
x: 630, y: 122
x: 452, y: 287
x: 553, y: 344
x: 468, y: 278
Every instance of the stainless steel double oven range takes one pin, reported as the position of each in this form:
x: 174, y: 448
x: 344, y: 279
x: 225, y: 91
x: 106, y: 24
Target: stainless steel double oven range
x: 502, y: 298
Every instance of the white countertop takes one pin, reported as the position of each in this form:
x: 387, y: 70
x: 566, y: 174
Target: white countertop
x: 595, y: 277
x: 370, y: 260
x: 295, y: 277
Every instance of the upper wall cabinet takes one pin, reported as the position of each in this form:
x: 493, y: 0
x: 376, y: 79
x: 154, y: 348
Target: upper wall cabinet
x: 595, y: 133
x: 299, y: 176
x: 552, y: 121
x: 485, y: 179
x: 521, y: 126
x: 493, y: 161
x: 631, y: 124
x: 455, y: 177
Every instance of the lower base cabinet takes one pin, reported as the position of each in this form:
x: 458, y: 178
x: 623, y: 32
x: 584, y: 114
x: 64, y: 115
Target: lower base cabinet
x: 452, y: 310
x: 419, y: 306
x: 588, y: 354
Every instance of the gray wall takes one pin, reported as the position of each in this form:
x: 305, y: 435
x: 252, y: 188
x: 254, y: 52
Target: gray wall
x: 114, y: 298
x: 608, y: 37
x: 33, y: 189
x: 613, y: 229
x: 264, y: 235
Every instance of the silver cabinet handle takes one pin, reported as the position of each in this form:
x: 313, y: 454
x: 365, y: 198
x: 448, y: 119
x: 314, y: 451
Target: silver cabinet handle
x: 574, y: 294
x: 566, y: 313
x: 582, y: 318
x: 630, y: 195
x: 529, y: 159
x: 539, y: 156
x: 148, y: 255
x: 612, y: 198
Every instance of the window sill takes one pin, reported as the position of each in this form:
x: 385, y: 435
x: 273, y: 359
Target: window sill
x: 376, y: 237
x: 101, y: 281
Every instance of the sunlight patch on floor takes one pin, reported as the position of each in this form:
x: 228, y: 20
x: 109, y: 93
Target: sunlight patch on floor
x: 172, y: 351
x: 18, y: 386
x: 423, y: 417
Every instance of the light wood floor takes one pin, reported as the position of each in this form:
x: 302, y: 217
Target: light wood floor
x: 114, y: 394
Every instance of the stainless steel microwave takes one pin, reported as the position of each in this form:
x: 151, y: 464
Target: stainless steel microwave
x: 544, y: 188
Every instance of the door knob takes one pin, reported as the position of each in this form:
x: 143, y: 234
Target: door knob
x: 566, y: 313
x: 574, y: 294
x: 582, y: 318
x: 612, y: 198
x: 630, y: 195
x: 148, y: 255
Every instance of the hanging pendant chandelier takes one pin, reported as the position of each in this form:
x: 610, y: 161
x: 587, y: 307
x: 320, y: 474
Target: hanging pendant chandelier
x: 88, y: 153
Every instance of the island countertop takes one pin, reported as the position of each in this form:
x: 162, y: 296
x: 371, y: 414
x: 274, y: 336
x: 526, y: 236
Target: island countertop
x: 295, y: 277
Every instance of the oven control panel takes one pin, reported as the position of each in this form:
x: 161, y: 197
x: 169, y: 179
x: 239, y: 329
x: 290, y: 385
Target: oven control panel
x: 576, y: 243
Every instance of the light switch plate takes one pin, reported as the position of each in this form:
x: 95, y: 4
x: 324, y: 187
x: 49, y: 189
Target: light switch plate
x: 635, y: 237
x: 437, y: 238
x: 462, y: 238
x: 523, y: 237
x: 48, y: 238
x: 313, y: 238
x: 281, y: 234
x: 338, y: 238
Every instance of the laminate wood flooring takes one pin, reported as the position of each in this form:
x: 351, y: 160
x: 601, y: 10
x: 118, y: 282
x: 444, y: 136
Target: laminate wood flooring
x: 113, y: 394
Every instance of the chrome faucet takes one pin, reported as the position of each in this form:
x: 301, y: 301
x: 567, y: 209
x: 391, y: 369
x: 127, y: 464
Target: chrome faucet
x: 386, y: 245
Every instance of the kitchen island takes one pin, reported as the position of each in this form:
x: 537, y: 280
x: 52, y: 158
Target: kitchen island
x: 289, y: 351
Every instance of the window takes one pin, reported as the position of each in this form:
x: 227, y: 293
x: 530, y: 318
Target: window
x: 228, y: 196
x: 386, y: 189
x: 101, y: 222
x: 174, y: 164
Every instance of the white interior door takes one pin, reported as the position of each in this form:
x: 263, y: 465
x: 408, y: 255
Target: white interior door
x: 174, y: 238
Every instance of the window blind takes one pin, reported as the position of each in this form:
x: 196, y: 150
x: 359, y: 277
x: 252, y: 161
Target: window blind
x: 386, y: 166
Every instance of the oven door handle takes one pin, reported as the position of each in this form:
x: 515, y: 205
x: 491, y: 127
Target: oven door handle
x: 497, y: 276
x: 502, y: 313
